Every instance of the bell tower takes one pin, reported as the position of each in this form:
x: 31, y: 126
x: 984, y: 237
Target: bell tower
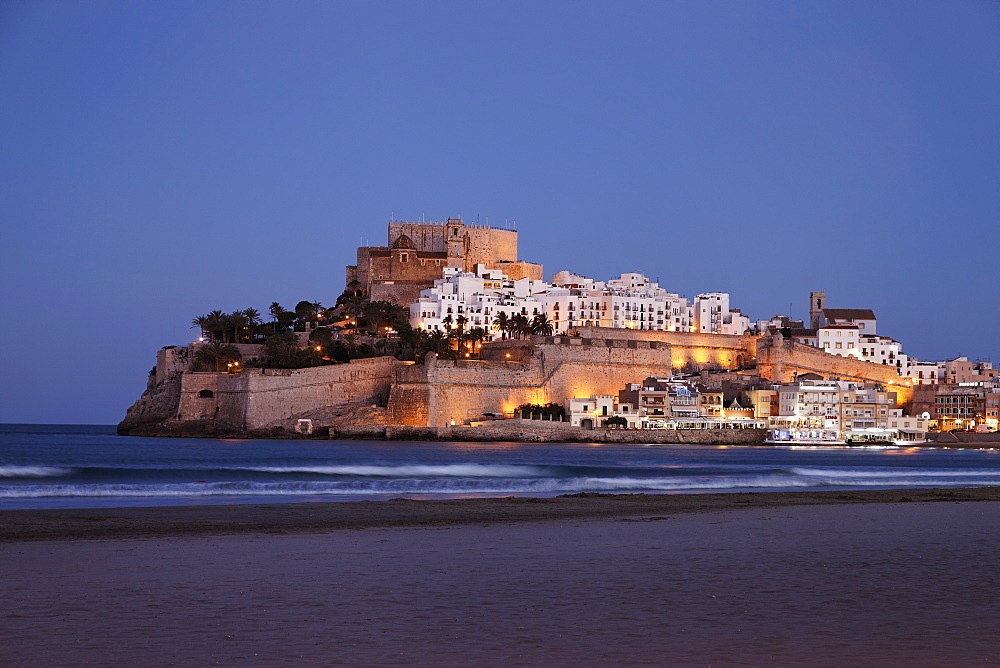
x: 817, y: 302
x: 455, y: 242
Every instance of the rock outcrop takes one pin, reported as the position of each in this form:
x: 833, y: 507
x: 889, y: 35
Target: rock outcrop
x: 157, y: 406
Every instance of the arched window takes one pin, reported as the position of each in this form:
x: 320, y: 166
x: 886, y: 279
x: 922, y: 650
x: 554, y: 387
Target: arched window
x: 206, y: 394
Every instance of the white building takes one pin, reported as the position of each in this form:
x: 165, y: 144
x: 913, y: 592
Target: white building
x: 831, y: 411
x: 631, y: 301
x: 712, y: 314
x: 843, y: 340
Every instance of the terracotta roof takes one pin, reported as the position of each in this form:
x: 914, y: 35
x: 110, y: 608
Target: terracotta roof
x: 849, y: 313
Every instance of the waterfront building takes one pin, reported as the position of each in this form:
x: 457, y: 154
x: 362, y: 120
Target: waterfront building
x: 817, y: 410
x: 974, y: 406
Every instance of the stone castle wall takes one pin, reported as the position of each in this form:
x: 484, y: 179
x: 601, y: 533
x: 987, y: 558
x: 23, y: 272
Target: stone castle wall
x: 690, y: 349
x: 259, y: 398
x: 537, y: 371
x: 442, y: 391
x: 480, y: 244
x: 172, y: 361
x: 782, y: 360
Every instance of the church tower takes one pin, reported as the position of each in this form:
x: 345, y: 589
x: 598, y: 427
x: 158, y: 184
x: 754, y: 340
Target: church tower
x: 817, y: 302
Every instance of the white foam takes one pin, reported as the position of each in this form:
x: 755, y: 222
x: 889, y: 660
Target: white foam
x: 897, y: 473
x: 12, y: 471
x: 450, y: 470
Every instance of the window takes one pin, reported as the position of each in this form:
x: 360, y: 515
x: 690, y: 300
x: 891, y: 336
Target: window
x: 839, y: 345
x: 206, y: 394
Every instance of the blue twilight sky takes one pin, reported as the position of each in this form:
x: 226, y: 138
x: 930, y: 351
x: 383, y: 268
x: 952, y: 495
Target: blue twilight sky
x: 159, y: 160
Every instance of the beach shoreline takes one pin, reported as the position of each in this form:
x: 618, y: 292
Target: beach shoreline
x: 320, y: 517
x: 785, y: 579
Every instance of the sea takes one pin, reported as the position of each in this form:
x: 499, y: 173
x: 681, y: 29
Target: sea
x: 88, y: 466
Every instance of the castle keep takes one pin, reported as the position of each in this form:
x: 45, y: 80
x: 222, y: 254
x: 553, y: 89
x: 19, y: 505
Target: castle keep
x: 418, y: 252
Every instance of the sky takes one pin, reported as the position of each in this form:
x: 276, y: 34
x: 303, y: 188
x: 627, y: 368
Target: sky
x: 162, y: 160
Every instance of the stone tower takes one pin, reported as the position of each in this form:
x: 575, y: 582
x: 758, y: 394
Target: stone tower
x: 455, y: 242
x: 817, y: 302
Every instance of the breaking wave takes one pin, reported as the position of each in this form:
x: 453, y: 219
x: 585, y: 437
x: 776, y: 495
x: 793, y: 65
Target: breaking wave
x: 471, y: 486
x: 12, y: 471
x: 475, y: 470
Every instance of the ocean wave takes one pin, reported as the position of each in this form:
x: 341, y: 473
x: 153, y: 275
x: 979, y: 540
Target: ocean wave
x: 465, y: 486
x: 449, y: 470
x: 14, y: 471
x: 896, y: 473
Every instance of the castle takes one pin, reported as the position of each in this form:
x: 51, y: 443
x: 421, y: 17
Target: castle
x: 419, y: 251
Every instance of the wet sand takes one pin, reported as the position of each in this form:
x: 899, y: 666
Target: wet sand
x: 763, y: 579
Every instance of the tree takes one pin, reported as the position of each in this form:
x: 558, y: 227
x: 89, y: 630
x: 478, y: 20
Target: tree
x: 476, y: 336
x: 252, y: 316
x: 352, y: 301
x: 502, y: 322
x: 541, y: 325
x: 237, y: 324
x: 615, y: 421
x: 282, y: 351
x: 275, y: 310
x: 321, y: 336
x: 520, y: 326
x: 203, y: 323
x: 551, y: 410
x: 216, y: 356
x: 306, y: 312
x: 382, y: 315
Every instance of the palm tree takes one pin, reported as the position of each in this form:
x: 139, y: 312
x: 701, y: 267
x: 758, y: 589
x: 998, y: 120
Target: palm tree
x: 282, y: 350
x: 253, y: 321
x: 202, y: 322
x: 216, y: 325
x: 502, y: 322
x: 216, y: 356
x: 437, y: 342
x: 352, y: 301
x: 476, y: 336
x: 458, y: 333
x: 275, y: 310
x: 541, y: 324
x: 520, y: 325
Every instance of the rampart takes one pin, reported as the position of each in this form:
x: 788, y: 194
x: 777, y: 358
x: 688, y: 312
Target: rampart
x: 479, y: 243
x: 689, y: 349
x: 259, y: 398
x: 444, y: 391
x: 782, y: 360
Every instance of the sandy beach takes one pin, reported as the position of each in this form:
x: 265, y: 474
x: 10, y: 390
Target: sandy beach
x: 803, y: 578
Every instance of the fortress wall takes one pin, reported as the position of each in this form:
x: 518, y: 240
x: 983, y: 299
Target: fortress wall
x: 519, y: 270
x: 690, y: 349
x: 781, y: 360
x: 426, y: 237
x: 172, y: 361
x: 486, y: 246
x: 400, y: 293
x: 226, y: 405
x: 443, y: 390
x: 274, y: 395
x: 745, y: 342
